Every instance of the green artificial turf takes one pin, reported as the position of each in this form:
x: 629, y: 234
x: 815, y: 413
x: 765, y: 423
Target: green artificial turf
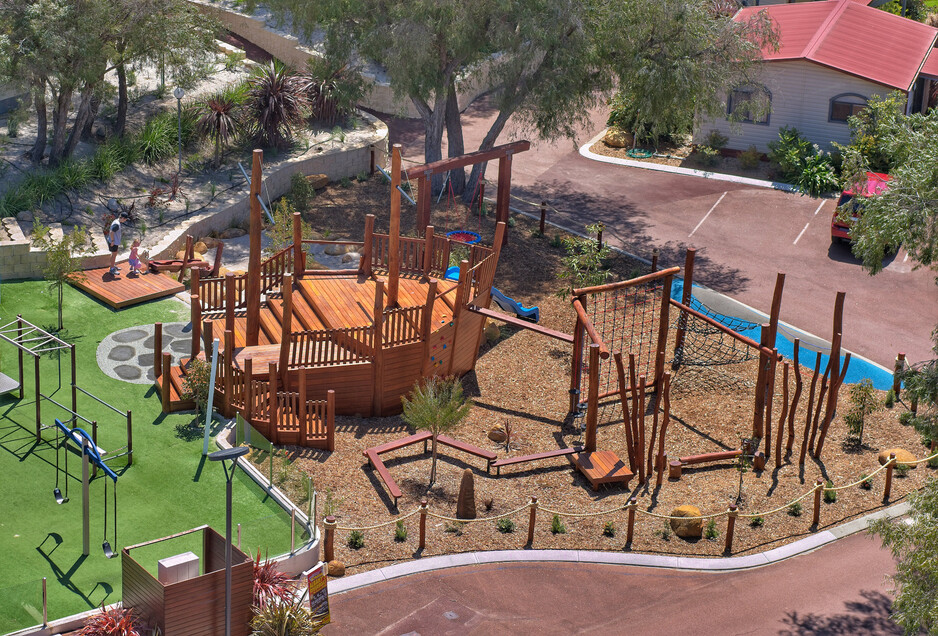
x: 169, y: 488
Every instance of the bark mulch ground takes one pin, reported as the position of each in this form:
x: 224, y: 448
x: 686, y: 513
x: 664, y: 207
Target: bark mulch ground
x: 522, y: 378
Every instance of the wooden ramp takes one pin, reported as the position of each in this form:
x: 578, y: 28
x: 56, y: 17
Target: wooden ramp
x: 126, y: 289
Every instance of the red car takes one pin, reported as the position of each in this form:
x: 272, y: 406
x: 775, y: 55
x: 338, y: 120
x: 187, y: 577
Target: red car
x: 876, y: 183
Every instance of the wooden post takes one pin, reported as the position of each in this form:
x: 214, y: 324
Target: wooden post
x: 576, y: 368
x: 230, y: 300
x: 897, y: 372
x: 459, y: 307
x: 254, y: 259
x: 666, y: 417
x: 807, y: 422
x: 273, y: 402
x: 664, y: 321
x: 776, y: 308
x: 817, y: 411
x: 424, y: 199
x: 836, y: 339
x: 504, y: 190
x: 543, y: 222
x: 633, y: 387
x: 783, y: 417
x: 631, y: 530
x: 305, y: 429
x: 592, y: 405
x: 654, y: 260
x: 378, y: 326
x: 501, y: 234
x: 639, y: 414
x: 330, y: 420
x: 187, y: 255
x: 531, y: 519
x: 298, y: 264
x: 157, y: 350
x: 795, y: 398
x: 428, y: 251
x: 167, y: 384
x: 758, y: 416
x: 889, y: 468
x: 216, y: 265
x: 286, y: 326
x: 818, y: 487
x: 426, y: 324
x: 394, y: 243
x: 686, y: 292
x: 769, y: 400
x: 730, y: 528
x: 208, y: 337
x: 365, y: 265
x: 626, y: 416
x: 423, y: 525
x: 248, y: 390
x: 229, y: 372
x: 328, y: 544
x: 196, y: 320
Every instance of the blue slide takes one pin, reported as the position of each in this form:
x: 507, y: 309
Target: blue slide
x: 507, y: 304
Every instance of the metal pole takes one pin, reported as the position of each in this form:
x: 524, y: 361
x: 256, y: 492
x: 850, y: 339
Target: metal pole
x: 179, y: 120
x: 234, y: 465
x: 211, y: 397
x: 85, y: 501
x: 45, y: 605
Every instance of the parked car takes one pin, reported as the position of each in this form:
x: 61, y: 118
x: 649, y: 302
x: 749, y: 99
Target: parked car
x: 876, y: 183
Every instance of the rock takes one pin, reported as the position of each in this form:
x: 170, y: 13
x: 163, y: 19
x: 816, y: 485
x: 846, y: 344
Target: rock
x: 318, y: 181
x: 312, y: 263
x: 902, y: 457
x: 336, y: 250
x: 209, y: 241
x: 232, y: 232
x: 498, y: 435
x: 492, y: 332
x: 113, y: 205
x: 200, y: 247
x: 315, y: 236
x: 466, y: 499
x: 25, y: 216
x: 690, y: 527
x: 181, y: 254
x: 618, y: 138
x: 351, y: 257
x: 336, y: 569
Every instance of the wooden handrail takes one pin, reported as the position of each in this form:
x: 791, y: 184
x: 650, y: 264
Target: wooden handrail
x: 715, y: 323
x: 590, y: 329
x: 518, y: 322
x: 641, y: 280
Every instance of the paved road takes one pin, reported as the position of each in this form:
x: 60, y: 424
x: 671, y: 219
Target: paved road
x: 750, y: 235
x: 838, y: 589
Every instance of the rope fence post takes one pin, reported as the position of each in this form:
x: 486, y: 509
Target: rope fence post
x: 896, y: 381
x: 654, y: 260
x: 423, y: 525
x: 531, y: 520
x: 631, y: 531
x: 730, y: 528
x: 543, y: 217
x: 889, y: 468
x: 816, y: 518
x: 328, y: 545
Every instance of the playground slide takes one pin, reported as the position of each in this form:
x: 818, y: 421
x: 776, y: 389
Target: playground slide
x: 506, y: 303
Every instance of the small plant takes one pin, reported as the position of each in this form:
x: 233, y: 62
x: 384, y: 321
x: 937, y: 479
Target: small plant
x: 666, y: 530
x: 795, y: 509
x: 757, y: 522
x: 331, y: 504
x: 584, y: 264
x: 609, y: 529
x: 233, y: 60
x: 196, y: 383
x: 830, y: 496
x: 706, y: 156
x: 711, y: 532
x: 750, y: 158
x: 902, y: 470
x: 270, y: 584
x: 557, y: 526
x: 356, y: 539
x: 556, y: 241
x: 400, y: 531
x: 345, y: 182
x: 890, y: 400
x: 17, y: 117
x: 489, y: 503
x: 862, y: 403
x: 932, y: 462
x: 867, y: 482
x: 906, y: 417
x: 363, y: 176
x: 117, y: 621
x: 454, y: 528
x: 505, y: 525
x: 716, y: 140
x: 511, y: 221
x: 301, y: 193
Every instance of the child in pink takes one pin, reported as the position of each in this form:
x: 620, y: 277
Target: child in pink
x: 135, y: 264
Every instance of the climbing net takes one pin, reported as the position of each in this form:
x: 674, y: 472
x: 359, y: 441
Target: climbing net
x: 706, y: 345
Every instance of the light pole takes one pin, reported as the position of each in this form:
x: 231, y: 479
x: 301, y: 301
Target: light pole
x: 178, y: 93
x: 221, y: 456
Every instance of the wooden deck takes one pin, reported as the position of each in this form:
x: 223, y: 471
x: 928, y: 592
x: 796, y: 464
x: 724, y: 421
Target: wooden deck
x: 603, y: 467
x: 126, y: 289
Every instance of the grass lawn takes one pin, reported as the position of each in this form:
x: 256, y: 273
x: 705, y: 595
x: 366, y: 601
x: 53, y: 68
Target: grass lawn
x: 170, y: 487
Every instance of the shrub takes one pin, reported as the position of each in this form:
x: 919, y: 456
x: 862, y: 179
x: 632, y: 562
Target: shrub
x: 400, y: 531
x: 706, y: 156
x: 867, y: 482
x: 890, y: 400
x: 556, y: 241
x: 345, y: 182
x: 286, y: 617
x: 505, y: 525
x: 75, y: 174
x: 363, y: 176
x: 716, y: 140
x: 830, y: 496
x: 789, y: 152
x: 862, y: 403
x: 902, y: 470
x: 159, y: 137
x: 117, y: 621
x: 42, y: 186
x: 557, y: 526
x: 196, y: 383
x: 609, y: 529
x: 817, y: 175
x: 275, y: 105
x: 356, y: 539
x: 301, y: 192
x: 933, y: 462
x: 334, y: 87
x: 757, y: 522
x: 711, y: 532
x: 270, y: 584
x: 233, y: 60
x: 750, y: 158
x: 795, y: 509
x: 584, y: 266
x: 906, y: 417
x: 17, y: 117
x: 666, y: 530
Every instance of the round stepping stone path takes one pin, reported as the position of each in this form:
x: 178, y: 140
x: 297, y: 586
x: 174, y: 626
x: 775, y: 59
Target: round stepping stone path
x: 128, y: 354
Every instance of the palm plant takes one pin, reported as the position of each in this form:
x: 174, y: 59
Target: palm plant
x: 270, y: 584
x: 117, y: 621
x: 219, y: 119
x: 276, y: 104
x: 333, y: 88
x: 437, y: 406
x: 285, y: 618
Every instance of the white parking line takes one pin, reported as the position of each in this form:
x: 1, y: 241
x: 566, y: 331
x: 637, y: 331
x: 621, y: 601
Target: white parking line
x: 804, y: 229
x: 707, y: 214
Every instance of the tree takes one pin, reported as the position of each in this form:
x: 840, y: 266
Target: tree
x: 921, y: 388
x: 64, y: 262
x: 436, y: 405
x: 863, y: 402
x: 219, y: 119
x: 913, y: 541
x: 583, y: 266
x: 276, y: 104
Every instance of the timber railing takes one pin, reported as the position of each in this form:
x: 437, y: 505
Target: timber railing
x: 402, y: 325
x: 333, y: 346
x: 481, y: 277
x: 273, y: 269
x: 213, y: 293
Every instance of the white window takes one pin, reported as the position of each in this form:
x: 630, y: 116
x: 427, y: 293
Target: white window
x: 846, y: 105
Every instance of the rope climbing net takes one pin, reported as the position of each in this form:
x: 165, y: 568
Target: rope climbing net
x: 706, y: 345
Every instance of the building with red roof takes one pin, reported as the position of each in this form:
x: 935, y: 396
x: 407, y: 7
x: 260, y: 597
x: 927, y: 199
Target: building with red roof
x: 832, y: 56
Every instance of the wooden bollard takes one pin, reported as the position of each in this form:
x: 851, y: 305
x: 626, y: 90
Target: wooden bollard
x: 531, y: 519
x: 816, y: 519
x: 654, y: 260
x: 371, y: 166
x: 896, y: 381
x: 423, y: 525
x: 730, y: 528
x: 157, y: 349
x: 631, y: 531
x: 196, y: 320
x: 328, y: 545
x: 543, y: 217
x: 889, y: 468
x: 662, y: 462
x: 674, y: 469
x: 167, y: 384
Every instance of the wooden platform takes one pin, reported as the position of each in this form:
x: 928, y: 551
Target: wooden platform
x: 603, y: 467
x: 126, y: 289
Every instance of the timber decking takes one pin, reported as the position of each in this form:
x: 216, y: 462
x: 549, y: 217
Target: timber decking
x: 603, y: 467
x: 125, y: 290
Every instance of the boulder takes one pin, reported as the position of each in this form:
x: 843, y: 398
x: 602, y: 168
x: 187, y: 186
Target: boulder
x: 336, y: 569
x: 210, y: 242
x: 618, y: 138
x: 113, y: 205
x: 200, y: 247
x: 232, y: 232
x: 318, y: 181
x: 466, y: 499
x: 690, y: 526
x: 312, y: 263
x: 498, y: 435
x: 181, y: 254
x: 351, y: 257
x: 492, y: 332
x: 26, y: 216
x: 336, y: 250
x: 902, y: 457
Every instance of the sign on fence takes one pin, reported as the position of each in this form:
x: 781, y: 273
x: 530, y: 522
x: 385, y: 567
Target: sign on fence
x: 319, y: 594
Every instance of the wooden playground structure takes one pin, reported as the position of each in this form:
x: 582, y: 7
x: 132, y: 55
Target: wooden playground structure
x: 299, y: 345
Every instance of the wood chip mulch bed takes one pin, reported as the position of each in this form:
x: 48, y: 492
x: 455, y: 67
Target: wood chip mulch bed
x: 523, y: 378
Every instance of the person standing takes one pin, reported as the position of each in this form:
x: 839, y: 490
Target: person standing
x: 114, y: 240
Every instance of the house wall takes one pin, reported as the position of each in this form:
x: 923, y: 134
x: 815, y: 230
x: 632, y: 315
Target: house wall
x: 801, y: 94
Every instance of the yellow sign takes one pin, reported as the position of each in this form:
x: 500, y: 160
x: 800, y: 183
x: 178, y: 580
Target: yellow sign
x: 319, y: 594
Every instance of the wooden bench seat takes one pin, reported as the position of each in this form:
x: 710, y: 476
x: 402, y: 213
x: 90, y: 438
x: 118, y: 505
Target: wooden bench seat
x: 387, y: 447
x: 487, y: 455
x: 675, y: 467
x: 393, y: 489
x: 521, y: 459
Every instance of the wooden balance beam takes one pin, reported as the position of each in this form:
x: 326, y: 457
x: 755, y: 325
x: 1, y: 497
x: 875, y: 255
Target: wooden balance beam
x: 675, y: 467
x: 522, y: 459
